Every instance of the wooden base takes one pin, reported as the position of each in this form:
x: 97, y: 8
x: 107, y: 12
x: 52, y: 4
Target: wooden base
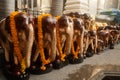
x: 57, y: 64
x: 72, y: 60
x: 89, y: 54
x: 35, y: 69
x: 14, y: 74
x: 2, y: 57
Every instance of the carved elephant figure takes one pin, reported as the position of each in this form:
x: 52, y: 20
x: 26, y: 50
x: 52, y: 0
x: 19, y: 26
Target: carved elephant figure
x: 77, y: 42
x: 91, y: 40
x: 64, y: 36
x: 113, y: 35
x: 44, y: 48
x: 79, y: 32
x: 16, y: 38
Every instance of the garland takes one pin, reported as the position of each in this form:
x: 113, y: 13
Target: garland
x: 75, y: 53
x: 16, y: 42
x: 41, y: 43
x: 62, y: 55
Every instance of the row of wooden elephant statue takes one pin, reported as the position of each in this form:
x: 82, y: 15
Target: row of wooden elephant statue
x: 38, y: 44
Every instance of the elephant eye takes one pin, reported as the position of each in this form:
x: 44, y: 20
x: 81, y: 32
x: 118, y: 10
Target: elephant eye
x: 70, y: 20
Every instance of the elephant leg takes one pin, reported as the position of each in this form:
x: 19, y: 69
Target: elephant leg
x: 86, y: 45
x: 53, y: 46
x: 116, y: 38
x: 57, y: 51
x: 15, y: 59
x: 90, y: 48
x: 36, y: 54
x: 96, y: 44
x: 68, y: 43
x: 3, y: 37
x: 6, y: 52
x: 107, y: 40
x: 92, y: 45
x: 69, y: 36
x: 81, y: 44
x: 78, y: 43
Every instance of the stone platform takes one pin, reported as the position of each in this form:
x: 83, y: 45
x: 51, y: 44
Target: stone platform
x: 108, y: 60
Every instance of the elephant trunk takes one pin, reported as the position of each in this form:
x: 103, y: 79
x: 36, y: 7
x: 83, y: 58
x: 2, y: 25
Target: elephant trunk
x: 53, y: 45
x: 69, y: 37
x: 29, y: 45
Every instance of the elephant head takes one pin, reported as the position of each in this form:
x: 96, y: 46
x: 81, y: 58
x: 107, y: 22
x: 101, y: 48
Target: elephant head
x: 86, y: 19
x: 78, y: 24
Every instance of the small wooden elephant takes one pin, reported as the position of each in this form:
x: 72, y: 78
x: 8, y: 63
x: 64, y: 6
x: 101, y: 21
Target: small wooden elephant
x: 64, y: 40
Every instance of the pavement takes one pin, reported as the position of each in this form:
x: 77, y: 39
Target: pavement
x: 75, y: 71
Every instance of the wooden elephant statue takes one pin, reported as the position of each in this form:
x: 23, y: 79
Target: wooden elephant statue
x: 64, y: 40
x: 90, y: 38
x: 77, y: 42
x: 16, y: 38
x: 44, y: 48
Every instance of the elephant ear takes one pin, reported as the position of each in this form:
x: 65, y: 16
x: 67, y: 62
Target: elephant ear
x: 5, y: 30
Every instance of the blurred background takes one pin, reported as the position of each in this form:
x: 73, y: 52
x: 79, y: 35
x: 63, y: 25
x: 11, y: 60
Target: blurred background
x: 59, y: 7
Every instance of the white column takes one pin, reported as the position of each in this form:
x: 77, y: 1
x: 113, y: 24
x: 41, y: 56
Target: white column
x: 100, y: 5
x: 38, y: 4
x: 81, y: 6
x: 118, y: 4
x: 57, y: 7
x: 93, y: 7
x: 6, y: 7
x: 32, y: 3
x: 27, y: 6
x: 19, y: 4
x: 111, y: 4
x: 46, y: 6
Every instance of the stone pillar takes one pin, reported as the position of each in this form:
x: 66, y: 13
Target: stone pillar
x: 81, y: 6
x: 46, y: 6
x: 6, y: 7
x: 93, y: 7
x: 57, y: 7
x: 111, y: 4
x: 118, y: 4
x: 100, y: 5
x: 32, y: 6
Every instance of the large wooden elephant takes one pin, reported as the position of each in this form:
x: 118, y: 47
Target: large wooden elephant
x: 44, y: 48
x: 64, y: 40
x: 16, y: 38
